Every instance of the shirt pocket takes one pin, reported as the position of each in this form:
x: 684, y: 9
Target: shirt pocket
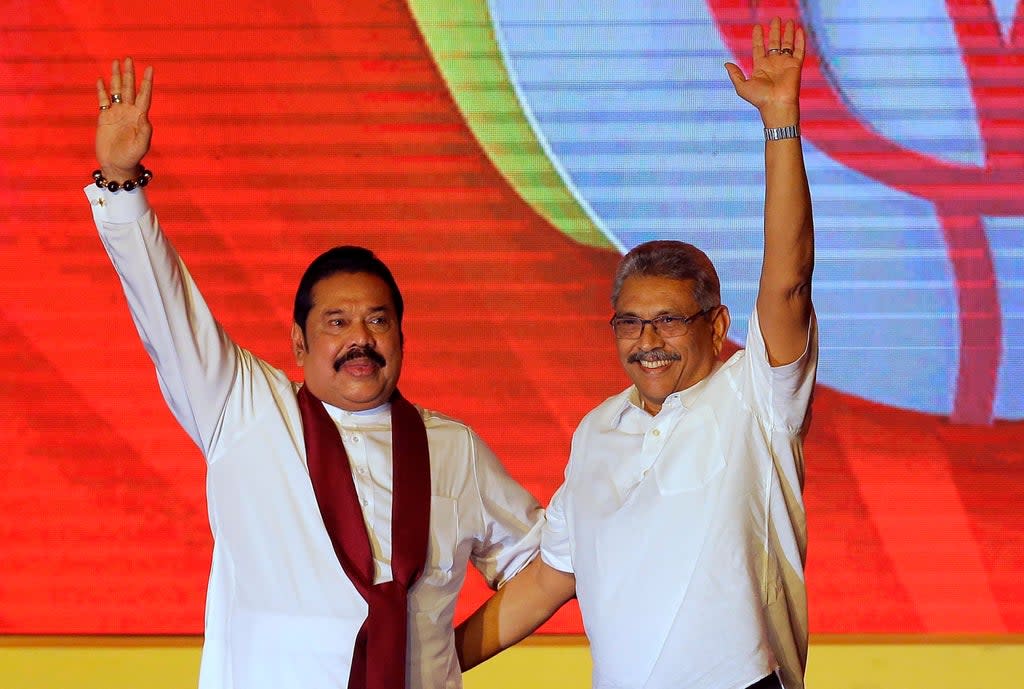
x: 693, y: 454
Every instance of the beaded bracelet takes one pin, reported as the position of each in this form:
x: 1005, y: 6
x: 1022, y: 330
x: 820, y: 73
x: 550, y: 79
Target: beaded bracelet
x: 129, y: 184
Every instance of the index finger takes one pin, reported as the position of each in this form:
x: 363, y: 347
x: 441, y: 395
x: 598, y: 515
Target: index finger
x: 758, y: 41
x: 799, y: 44
x: 145, y: 90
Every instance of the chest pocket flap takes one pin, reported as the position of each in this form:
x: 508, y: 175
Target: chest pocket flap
x: 693, y: 454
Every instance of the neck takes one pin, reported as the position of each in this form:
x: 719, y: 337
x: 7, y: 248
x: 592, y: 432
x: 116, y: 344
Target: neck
x: 649, y: 407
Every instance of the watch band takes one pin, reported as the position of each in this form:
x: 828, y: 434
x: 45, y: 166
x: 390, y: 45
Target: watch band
x: 775, y: 133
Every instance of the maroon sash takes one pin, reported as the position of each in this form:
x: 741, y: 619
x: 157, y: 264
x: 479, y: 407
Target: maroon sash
x: 379, y: 656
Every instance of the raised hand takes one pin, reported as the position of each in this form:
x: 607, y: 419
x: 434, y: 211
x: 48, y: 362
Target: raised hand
x: 774, y: 85
x: 123, y: 131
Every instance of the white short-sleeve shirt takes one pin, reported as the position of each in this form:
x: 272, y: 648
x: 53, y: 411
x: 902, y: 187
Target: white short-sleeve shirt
x: 686, y: 530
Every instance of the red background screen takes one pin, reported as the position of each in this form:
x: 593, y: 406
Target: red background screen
x: 283, y: 129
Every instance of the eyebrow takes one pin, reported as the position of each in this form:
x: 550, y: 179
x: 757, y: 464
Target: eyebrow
x: 631, y: 314
x: 345, y: 312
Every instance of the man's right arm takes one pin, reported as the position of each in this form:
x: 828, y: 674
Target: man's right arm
x: 195, y: 360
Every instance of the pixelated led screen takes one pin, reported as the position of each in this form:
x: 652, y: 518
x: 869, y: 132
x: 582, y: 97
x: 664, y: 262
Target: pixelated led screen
x: 500, y: 156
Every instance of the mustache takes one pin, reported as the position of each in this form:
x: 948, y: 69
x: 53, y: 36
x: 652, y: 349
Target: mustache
x: 653, y: 355
x: 360, y: 353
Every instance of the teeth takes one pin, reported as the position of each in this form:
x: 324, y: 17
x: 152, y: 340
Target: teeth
x: 654, y: 364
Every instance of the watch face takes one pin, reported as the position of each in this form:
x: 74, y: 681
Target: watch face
x: 918, y: 278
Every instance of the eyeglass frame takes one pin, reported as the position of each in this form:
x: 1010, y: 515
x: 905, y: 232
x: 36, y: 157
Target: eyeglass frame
x: 685, y: 321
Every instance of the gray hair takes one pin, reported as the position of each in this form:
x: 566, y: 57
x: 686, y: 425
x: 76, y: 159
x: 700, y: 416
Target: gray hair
x: 671, y: 259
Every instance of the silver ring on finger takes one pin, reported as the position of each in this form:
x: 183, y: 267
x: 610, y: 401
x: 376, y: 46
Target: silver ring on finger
x: 786, y: 51
x: 772, y: 51
x: 115, y: 98
x: 104, y: 107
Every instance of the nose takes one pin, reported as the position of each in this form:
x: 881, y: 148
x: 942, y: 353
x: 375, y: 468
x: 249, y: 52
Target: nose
x: 361, y: 334
x: 650, y: 338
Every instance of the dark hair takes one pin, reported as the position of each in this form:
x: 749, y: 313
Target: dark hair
x: 671, y: 259
x: 342, y: 259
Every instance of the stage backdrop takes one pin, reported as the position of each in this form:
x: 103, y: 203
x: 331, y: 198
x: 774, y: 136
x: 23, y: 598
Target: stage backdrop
x: 500, y: 157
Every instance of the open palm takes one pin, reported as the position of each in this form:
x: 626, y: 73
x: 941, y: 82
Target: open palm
x: 774, y: 83
x: 123, y: 132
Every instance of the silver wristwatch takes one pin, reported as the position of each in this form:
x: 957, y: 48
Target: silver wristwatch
x: 775, y: 133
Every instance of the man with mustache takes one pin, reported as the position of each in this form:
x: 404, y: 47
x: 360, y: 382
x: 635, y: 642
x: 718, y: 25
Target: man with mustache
x: 680, y: 523
x: 343, y: 516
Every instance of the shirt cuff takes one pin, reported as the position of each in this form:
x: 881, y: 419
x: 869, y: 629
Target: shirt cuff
x: 561, y: 564
x: 555, y: 549
x: 117, y: 206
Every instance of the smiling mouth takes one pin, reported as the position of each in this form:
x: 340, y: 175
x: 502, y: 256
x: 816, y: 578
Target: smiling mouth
x: 654, y: 359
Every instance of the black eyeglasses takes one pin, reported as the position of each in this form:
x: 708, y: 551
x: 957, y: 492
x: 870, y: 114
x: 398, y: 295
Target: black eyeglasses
x: 632, y: 327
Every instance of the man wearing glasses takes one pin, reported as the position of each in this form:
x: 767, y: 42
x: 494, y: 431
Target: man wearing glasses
x: 681, y: 522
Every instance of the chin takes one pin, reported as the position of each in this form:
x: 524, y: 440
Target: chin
x: 656, y: 399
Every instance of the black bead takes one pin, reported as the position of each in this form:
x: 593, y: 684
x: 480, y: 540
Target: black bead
x: 142, y: 180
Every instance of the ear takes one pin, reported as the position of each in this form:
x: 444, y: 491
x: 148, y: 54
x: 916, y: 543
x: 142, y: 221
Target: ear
x: 298, y: 344
x: 720, y: 328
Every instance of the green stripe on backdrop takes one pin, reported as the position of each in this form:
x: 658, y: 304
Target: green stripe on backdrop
x: 461, y: 39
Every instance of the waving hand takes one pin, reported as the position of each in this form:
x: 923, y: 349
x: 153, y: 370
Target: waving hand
x: 773, y: 86
x: 123, y: 131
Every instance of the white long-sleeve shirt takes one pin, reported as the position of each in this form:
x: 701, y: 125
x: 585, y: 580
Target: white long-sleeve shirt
x: 280, y: 611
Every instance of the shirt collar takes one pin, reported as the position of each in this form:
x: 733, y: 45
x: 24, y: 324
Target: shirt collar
x: 630, y: 399
x: 379, y: 414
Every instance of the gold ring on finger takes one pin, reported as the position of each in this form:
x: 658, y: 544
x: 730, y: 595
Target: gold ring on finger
x: 772, y: 51
x: 104, y: 107
x: 786, y: 51
x: 115, y: 98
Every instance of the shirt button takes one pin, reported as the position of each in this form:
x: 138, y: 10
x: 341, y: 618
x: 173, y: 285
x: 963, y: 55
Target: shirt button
x: 355, y: 438
x: 366, y: 503
x: 656, y: 432
x: 361, y: 471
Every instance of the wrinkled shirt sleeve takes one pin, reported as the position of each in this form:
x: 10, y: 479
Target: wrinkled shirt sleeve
x: 195, y: 360
x: 782, y: 393
x: 512, y: 520
x: 556, y: 542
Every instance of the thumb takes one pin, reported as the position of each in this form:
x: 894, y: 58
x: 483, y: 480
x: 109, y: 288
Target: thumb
x: 735, y: 76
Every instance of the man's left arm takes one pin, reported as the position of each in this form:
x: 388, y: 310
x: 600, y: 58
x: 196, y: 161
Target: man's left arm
x: 784, y: 294
x: 513, y: 613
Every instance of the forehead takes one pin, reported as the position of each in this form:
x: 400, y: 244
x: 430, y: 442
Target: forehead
x: 352, y: 291
x: 647, y: 295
